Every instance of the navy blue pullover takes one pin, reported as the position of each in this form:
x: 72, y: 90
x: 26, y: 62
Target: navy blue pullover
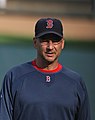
x: 30, y: 94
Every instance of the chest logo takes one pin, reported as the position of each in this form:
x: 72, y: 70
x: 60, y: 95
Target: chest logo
x: 48, y: 79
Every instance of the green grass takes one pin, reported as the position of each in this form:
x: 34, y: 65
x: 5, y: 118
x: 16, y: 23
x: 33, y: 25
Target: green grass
x: 69, y: 43
x: 8, y: 39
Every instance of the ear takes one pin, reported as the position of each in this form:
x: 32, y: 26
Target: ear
x: 35, y: 42
x: 63, y: 43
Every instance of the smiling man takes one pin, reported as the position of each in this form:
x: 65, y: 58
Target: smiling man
x: 43, y: 89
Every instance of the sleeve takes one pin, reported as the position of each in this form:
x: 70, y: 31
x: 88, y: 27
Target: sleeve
x: 6, y: 100
x: 84, y: 108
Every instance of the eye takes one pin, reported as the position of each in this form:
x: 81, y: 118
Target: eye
x: 43, y: 40
x: 56, y: 40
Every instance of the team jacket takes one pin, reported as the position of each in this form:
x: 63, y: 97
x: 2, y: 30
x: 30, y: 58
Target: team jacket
x: 29, y: 93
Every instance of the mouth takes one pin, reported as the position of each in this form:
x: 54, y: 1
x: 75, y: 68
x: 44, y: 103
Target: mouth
x: 50, y: 54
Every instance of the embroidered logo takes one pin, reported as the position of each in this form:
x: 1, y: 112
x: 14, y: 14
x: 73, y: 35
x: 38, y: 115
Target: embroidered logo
x: 49, y: 23
x: 48, y: 79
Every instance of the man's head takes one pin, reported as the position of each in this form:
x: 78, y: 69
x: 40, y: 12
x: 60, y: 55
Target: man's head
x: 48, y: 39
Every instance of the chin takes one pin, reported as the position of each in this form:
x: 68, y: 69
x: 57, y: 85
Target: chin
x: 50, y: 60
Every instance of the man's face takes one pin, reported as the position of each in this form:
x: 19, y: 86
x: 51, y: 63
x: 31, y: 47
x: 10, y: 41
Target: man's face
x: 49, y: 47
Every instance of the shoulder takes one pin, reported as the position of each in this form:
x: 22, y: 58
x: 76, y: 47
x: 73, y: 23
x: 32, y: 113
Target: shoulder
x: 74, y: 78
x: 13, y: 79
x: 76, y: 81
x: 70, y: 73
x: 20, y: 70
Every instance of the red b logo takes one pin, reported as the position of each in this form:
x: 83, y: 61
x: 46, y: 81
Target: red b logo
x: 49, y: 24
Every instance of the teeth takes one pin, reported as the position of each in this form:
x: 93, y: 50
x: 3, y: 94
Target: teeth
x: 49, y: 53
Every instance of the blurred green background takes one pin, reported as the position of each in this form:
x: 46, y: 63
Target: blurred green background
x: 17, y: 21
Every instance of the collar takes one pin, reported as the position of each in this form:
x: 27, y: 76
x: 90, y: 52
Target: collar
x: 47, y: 71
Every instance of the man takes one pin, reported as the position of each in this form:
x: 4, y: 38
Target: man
x: 43, y: 89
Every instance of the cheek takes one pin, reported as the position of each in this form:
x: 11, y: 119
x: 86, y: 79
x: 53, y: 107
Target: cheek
x: 59, y: 49
x: 41, y: 49
x: 59, y: 52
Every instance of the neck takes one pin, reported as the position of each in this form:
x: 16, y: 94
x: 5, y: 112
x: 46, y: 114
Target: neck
x: 46, y: 65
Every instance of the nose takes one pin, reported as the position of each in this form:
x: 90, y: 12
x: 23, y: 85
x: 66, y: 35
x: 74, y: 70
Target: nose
x: 50, y: 44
